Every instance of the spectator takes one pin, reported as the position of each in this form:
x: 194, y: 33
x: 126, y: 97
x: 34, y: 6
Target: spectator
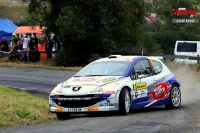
x: 56, y: 45
x: 49, y: 46
x: 33, y: 46
x: 25, y: 41
x: 33, y: 41
x: 13, y: 41
x: 20, y: 43
x: 36, y: 55
x: 4, y: 45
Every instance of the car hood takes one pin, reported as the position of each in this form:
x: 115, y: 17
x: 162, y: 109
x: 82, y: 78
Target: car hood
x: 84, y: 85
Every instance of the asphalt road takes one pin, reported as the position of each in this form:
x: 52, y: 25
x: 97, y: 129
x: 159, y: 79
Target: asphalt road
x: 33, y: 79
x: 186, y: 119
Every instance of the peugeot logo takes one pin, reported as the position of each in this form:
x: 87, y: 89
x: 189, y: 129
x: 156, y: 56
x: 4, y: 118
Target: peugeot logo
x: 76, y: 88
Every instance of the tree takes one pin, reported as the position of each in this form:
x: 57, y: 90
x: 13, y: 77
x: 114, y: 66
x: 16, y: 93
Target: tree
x: 90, y: 26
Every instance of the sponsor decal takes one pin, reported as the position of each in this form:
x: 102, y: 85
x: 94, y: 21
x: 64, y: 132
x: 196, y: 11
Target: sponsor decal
x: 59, y: 110
x: 92, y: 109
x: 75, y: 99
x: 85, y: 79
x: 106, y: 104
x: 160, y: 91
x: 136, y: 94
x: 140, y: 86
x: 108, y: 80
x: 142, y: 92
x: 109, y: 92
x: 185, y: 12
x: 76, y: 88
x: 74, y: 110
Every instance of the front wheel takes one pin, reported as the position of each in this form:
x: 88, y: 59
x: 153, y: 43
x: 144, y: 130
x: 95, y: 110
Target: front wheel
x: 124, y: 102
x: 174, y: 98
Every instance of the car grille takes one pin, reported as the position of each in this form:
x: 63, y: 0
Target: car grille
x: 77, y: 101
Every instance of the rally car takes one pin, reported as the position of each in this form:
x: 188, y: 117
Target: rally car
x: 117, y: 83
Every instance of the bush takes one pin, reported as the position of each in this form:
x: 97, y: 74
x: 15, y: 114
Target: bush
x: 167, y: 39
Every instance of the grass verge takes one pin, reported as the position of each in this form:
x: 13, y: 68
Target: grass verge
x: 22, y: 108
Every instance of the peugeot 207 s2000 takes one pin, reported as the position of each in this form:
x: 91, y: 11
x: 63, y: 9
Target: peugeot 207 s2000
x: 117, y: 83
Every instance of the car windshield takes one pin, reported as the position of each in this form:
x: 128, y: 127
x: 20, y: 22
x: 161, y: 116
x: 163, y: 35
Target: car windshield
x: 104, y: 68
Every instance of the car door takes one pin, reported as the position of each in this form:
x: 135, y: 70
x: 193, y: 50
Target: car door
x: 141, y: 86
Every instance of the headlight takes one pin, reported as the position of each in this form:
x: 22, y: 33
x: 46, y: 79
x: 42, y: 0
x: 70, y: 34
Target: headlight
x: 58, y: 88
x: 99, y: 89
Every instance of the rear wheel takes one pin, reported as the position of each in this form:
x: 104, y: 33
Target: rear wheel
x: 124, y: 102
x: 174, y: 98
x: 62, y: 116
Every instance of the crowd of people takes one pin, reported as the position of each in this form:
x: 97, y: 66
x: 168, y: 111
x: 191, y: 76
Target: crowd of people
x: 29, y: 43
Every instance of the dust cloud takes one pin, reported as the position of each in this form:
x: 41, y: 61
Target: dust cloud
x: 190, y: 86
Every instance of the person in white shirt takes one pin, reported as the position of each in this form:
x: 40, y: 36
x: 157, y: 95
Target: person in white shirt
x: 25, y: 41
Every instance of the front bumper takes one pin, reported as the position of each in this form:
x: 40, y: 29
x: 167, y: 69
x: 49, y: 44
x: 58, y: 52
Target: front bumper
x: 81, y: 104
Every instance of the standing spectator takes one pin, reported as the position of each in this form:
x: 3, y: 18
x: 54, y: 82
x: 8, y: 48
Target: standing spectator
x: 25, y: 41
x: 13, y: 41
x: 56, y: 45
x: 4, y: 45
x: 49, y: 46
x: 33, y: 46
x: 33, y: 41
x: 36, y: 55
x: 20, y: 45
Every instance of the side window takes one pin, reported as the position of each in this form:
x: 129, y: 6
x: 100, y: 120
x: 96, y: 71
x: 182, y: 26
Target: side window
x: 157, y: 67
x: 141, y: 67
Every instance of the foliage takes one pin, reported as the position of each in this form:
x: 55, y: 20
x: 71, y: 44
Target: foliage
x: 167, y: 39
x: 150, y: 44
x: 90, y: 26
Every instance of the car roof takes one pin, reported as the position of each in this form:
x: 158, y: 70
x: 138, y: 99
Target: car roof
x: 128, y: 57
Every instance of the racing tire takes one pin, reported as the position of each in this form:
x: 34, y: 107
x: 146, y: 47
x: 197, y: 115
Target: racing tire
x: 124, y: 102
x: 174, y: 98
x: 62, y: 116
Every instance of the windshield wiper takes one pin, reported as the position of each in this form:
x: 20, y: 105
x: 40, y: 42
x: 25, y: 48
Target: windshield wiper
x: 95, y: 75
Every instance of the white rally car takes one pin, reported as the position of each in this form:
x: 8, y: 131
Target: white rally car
x: 117, y: 83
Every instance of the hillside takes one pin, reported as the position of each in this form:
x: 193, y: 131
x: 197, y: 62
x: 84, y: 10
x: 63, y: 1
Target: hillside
x: 15, y: 11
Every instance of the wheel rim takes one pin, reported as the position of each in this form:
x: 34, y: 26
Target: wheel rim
x: 176, y: 96
x: 127, y: 101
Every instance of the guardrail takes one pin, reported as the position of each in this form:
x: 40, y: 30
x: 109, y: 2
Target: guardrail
x: 166, y: 56
x: 8, y: 54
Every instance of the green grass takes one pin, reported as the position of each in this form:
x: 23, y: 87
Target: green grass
x: 22, y: 108
x: 15, y: 13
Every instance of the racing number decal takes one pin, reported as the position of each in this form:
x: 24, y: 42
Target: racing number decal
x: 140, y: 86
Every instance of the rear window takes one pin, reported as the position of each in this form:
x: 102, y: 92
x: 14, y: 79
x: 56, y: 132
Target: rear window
x: 186, y: 47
